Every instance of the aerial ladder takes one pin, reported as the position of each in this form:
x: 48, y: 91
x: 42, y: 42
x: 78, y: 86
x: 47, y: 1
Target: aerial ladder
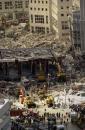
x: 60, y: 72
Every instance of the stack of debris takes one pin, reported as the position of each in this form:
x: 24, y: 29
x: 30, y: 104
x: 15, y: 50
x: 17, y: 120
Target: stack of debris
x: 25, y: 40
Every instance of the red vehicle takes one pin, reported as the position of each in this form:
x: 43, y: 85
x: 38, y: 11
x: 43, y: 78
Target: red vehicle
x: 17, y: 112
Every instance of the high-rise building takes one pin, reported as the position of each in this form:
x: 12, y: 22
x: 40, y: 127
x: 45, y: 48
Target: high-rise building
x: 60, y: 12
x: 14, y: 8
x: 74, y: 22
x: 38, y: 12
x: 44, y: 15
x: 5, y: 121
x: 82, y: 24
x: 76, y: 29
x: 40, y: 16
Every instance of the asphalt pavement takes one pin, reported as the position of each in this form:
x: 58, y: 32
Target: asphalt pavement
x: 71, y: 127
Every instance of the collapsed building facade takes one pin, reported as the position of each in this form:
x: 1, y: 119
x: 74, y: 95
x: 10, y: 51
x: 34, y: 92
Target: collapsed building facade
x: 24, y: 62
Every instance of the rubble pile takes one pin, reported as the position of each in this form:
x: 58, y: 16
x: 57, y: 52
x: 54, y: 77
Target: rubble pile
x: 24, y: 53
x: 19, y: 37
x: 25, y: 40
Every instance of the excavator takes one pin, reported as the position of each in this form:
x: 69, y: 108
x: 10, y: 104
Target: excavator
x: 42, y: 93
x: 50, y: 101
x: 28, y: 102
x: 60, y: 74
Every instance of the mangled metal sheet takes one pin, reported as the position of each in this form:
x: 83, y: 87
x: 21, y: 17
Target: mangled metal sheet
x: 24, y: 54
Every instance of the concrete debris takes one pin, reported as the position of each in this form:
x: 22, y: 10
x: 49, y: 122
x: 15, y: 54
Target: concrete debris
x: 24, y: 54
x: 18, y: 37
x: 26, y: 41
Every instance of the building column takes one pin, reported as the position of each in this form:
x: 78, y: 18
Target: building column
x: 40, y: 66
x: 1, y: 66
x: 19, y: 69
x: 6, y: 69
x: 44, y: 64
x: 47, y: 67
x: 31, y: 66
x: 35, y: 66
